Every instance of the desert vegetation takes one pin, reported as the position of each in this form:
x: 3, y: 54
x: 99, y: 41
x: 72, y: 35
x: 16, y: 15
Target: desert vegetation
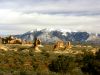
x: 24, y: 60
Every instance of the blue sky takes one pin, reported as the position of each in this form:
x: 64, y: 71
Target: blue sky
x: 19, y: 16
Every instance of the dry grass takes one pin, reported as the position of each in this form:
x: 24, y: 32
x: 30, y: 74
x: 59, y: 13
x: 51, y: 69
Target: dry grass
x: 24, y: 60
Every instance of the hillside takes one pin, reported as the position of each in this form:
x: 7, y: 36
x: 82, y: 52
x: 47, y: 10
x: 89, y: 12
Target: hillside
x: 50, y: 36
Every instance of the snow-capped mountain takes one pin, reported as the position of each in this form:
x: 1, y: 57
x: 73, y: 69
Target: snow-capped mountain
x: 52, y: 35
x: 94, y: 38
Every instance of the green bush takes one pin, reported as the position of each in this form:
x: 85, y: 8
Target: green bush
x: 91, y: 64
x: 62, y: 64
x: 98, y: 54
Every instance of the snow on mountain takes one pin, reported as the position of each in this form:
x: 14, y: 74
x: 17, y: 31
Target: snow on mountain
x: 52, y: 35
x: 94, y: 38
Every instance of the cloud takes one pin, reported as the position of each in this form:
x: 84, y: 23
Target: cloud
x: 18, y: 16
x: 12, y: 17
x: 70, y: 7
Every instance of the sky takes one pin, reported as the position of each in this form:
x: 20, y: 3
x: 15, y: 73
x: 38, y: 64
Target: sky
x: 20, y: 16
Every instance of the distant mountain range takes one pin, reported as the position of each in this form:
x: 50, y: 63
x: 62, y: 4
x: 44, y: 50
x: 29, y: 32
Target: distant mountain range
x: 50, y: 36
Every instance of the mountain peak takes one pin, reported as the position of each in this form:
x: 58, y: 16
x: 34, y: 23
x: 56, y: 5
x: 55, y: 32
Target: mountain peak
x: 52, y: 29
x: 51, y: 35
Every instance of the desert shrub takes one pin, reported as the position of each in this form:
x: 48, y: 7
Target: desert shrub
x: 22, y: 48
x: 48, y: 63
x: 62, y: 64
x: 98, y: 54
x: 25, y: 72
x: 96, y: 62
x: 91, y: 65
x: 45, y: 55
x: 88, y: 57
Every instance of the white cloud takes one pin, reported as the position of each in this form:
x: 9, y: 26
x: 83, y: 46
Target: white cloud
x: 53, y: 6
x: 18, y: 16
